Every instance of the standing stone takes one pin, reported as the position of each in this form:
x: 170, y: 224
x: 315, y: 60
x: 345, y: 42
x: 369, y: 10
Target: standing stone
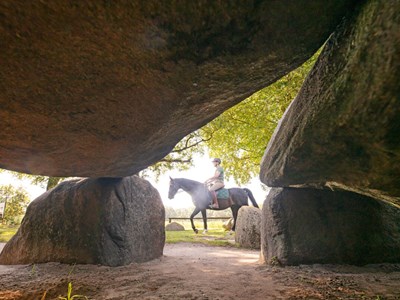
x: 174, y: 226
x: 248, y: 227
x: 307, y: 226
x: 343, y: 128
x: 110, y: 221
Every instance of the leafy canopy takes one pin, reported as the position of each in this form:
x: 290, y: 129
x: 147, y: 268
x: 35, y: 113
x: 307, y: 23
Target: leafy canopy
x: 240, y: 135
x: 16, y: 201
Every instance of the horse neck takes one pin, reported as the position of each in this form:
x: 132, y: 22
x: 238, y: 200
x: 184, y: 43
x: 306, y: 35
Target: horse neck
x: 189, y: 186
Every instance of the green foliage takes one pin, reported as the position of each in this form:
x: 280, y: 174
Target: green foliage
x: 214, y: 237
x: 33, y: 271
x: 53, y: 181
x: 274, y: 261
x: 7, y: 232
x: 180, y: 157
x: 40, y: 180
x: 16, y: 201
x: 241, y: 134
x: 70, y: 296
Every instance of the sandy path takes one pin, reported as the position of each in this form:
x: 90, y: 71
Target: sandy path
x: 192, y: 271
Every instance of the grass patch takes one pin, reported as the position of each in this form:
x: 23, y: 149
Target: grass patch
x: 213, y: 237
x: 216, y: 235
x: 7, y: 232
x: 212, y: 224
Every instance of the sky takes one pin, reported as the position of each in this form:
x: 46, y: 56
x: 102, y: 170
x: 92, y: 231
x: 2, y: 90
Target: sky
x: 32, y: 190
x: 202, y: 170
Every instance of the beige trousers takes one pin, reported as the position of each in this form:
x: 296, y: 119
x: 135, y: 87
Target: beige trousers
x: 216, y: 185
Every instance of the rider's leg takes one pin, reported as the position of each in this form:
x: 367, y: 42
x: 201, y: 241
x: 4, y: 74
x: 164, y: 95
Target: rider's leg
x: 216, y: 186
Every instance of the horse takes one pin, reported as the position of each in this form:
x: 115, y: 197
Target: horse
x: 202, y: 197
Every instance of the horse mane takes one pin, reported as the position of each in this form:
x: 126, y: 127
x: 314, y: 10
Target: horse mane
x: 188, y: 180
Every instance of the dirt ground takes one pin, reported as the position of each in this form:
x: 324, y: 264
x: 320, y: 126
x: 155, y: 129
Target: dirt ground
x: 194, y: 271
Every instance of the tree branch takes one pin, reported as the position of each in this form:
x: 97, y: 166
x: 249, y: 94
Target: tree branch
x: 187, y: 146
x: 177, y: 160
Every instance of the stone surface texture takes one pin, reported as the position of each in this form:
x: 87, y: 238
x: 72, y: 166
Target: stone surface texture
x: 248, y: 228
x: 104, y: 221
x: 107, y: 88
x: 174, y: 226
x: 307, y: 226
x: 343, y: 128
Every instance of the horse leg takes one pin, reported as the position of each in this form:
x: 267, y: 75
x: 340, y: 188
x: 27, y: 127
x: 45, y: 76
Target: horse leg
x: 195, y: 212
x: 204, y: 214
x: 235, y: 210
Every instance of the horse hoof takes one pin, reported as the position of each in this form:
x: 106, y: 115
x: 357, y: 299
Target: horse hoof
x: 205, y: 231
x: 196, y: 231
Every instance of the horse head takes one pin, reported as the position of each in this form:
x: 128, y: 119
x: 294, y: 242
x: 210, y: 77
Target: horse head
x: 173, y: 188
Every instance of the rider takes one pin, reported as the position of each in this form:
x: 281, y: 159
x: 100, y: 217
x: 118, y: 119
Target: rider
x: 216, y: 182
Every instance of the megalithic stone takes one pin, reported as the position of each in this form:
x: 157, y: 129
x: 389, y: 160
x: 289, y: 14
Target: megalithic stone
x: 309, y: 226
x: 343, y: 129
x: 107, y: 88
x: 110, y: 221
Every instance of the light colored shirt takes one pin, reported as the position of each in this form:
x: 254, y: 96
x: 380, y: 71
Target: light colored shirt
x: 221, y: 173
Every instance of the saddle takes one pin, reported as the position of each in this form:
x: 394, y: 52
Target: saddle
x: 222, y: 198
x: 222, y: 193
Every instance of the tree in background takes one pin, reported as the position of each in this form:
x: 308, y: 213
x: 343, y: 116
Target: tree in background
x: 17, y: 201
x: 240, y: 135
x: 180, y: 158
x: 47, y: 182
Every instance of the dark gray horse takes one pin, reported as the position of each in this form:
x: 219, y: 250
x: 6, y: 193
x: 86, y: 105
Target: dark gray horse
x: 201, y: 198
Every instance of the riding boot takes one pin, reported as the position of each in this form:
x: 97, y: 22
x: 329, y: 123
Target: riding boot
x: 215, y: 200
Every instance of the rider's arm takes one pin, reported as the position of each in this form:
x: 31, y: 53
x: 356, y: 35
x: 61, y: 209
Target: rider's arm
x: 216, y: 175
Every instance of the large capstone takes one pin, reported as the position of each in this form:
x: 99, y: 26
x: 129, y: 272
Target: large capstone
x: 248, y: 227
x: 343, y: 128
x: 92, y: 221
x: 307, y: 226
x: 107, y: 88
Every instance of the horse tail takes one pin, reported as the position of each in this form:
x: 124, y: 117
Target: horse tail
x: 250, y: 195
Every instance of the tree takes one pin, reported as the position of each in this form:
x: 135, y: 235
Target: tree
x: 44, y: 181
x: 240, y: 135
x: 180, y: 157
x: 16, y: 200
x: 40, y: 180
